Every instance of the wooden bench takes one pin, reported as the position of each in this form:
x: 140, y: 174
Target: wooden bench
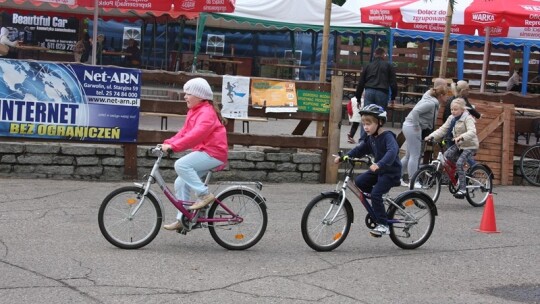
x: 398, y: 109
x: 527, y: 126
x: 245, y: 122
x: 410, y: 97
x: 164, y: 117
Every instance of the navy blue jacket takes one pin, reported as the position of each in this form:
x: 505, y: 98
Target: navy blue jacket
x: 384, y: 148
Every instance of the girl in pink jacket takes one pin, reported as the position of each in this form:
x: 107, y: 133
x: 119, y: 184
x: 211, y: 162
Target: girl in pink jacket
x: 204, y: 133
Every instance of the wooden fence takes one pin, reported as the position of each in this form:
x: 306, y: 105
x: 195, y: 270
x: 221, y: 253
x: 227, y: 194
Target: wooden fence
x: 327, y: 139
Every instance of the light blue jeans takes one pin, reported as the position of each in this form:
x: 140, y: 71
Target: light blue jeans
x: 190, y: 169
x: 413, y: 138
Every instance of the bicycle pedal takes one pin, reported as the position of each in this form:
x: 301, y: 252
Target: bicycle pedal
x: 182, y: 231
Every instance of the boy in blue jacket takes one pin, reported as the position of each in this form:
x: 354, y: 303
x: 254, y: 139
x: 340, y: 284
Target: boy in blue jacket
x: 385, y: 173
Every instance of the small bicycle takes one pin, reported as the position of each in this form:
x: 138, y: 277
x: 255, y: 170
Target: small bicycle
x: 479, y: 178
x: 529, y: 164
x: 327, y: 219
x: 131, y: 217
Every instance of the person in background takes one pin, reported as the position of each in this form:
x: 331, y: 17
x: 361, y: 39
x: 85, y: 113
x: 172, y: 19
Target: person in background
x: 134, y: 57
x: 460, y: 90
x: 421, y: 118
x: 99, y: 49
x: 462, y: 126
x: 4, y: 39
x: 82, y: 49
x: 204, y: 133
x: 384, y: 173
x: 377, y: 79
x: 514, y: 83
x: 354, y: 118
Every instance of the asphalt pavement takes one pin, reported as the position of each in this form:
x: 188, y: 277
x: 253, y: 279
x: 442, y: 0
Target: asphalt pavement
x: 51, y: 251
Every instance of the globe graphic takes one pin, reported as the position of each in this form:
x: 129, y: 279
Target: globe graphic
x: 31, y: 81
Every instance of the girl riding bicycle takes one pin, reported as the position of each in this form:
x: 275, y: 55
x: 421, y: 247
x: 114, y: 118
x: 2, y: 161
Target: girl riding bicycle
x: 461, y: 126
x: 204, y: 133
x: 385, y: 173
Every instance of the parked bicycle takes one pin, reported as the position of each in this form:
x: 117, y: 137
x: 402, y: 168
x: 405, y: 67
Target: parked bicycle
x: 131, y: 217
x: 529, y: 164
x: 428, y: 178
x: 327, y: 219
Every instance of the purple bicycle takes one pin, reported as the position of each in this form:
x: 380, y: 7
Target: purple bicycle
x: 131, y: 217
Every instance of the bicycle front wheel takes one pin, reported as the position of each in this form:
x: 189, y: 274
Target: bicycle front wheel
x: 412, y: 224
x: 427, y: 180
x: 529, y: 164
x: 324, y: 227
x: 242, y: 235
x: 479, y: 185
x: 124, y: 229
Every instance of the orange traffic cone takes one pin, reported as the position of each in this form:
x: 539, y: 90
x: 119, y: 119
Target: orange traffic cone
x: 488, y: 225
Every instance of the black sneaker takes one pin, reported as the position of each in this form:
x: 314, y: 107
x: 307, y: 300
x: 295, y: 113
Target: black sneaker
x: 460, y: 194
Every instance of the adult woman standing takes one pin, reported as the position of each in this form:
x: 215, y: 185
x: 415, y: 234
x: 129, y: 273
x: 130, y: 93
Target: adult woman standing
x: 421, y: 119
x: 460, y: 90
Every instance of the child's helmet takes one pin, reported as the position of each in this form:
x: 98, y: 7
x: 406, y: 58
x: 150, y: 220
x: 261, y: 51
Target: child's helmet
x: 374, y: 110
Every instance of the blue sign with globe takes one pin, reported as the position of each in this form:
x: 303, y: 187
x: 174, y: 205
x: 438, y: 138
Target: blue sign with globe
x: 69, y: 101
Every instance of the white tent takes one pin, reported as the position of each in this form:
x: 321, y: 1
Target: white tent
x: 296, y: 15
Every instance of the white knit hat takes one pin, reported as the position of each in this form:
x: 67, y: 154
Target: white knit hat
x: 199, y: 87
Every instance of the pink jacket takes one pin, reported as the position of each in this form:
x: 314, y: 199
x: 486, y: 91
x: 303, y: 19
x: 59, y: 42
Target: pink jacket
x: 202, y: 131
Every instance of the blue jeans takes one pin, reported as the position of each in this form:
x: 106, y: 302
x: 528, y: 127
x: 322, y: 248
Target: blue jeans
x: 190, y: 169
x: 372, y: 96
x: 377, y: 185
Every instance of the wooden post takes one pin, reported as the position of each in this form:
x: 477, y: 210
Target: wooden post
x: 507, y: 156
x: 130, y: 161
x: 334, y: 126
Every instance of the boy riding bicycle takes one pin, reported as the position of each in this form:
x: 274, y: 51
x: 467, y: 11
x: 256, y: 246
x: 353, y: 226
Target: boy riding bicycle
x: 462, y: 129
x: 385, y: 173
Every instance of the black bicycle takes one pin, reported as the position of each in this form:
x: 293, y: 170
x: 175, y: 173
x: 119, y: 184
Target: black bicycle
x: 529, y: 164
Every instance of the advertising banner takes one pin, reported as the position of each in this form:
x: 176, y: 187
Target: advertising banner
x: 69, y: 101
x: 235, y: 96
x: 44, y: 29
x: 275, y: 96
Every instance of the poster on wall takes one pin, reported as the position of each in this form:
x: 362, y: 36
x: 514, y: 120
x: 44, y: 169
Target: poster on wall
x: 53, y: 32
x: 274, y: 95
x: 69, y: 101
x: 235, y: 96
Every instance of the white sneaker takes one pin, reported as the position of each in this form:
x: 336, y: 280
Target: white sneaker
x: 380, y: 230
x: 404, y: 184
x: 417, y: 185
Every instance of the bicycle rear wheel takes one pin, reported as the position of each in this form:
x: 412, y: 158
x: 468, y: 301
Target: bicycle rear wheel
x: 318, y: 229
x: 429, y: 181
x: 122, y: 228
x: 239, y: 235
x: 479, y: 185
x: 529, y: 164
x: 412, y: 224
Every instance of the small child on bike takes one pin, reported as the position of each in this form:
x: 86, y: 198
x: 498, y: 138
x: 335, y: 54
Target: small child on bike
x: 385, y: 173
x: 461, y: 125
x: 204, y: 133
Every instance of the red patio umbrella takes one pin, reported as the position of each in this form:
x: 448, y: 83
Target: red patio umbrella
x: 204, y: 6
x: 490, y: 18
x: 516, y: 19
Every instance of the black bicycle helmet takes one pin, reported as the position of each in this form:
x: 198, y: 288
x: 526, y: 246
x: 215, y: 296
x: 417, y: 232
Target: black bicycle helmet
x: 374, y: 110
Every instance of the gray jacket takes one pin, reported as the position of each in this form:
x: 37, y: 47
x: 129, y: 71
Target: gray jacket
x: 424, y: 112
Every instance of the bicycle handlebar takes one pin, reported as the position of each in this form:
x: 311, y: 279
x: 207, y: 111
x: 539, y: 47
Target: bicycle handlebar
x: 366, y: 159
